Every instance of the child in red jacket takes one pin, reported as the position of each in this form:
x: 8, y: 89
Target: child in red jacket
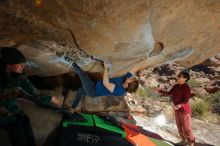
x: 180, y: 94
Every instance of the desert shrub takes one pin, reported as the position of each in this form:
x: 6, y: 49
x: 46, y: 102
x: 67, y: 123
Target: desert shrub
x: 214, y: 101
x: 193, y: 83
x: 151, y: 93
x: 141, y: 92
x: 147, y: 92
x: 199, y: 108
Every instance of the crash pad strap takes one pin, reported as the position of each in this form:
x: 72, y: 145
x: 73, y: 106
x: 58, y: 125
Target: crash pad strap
x: 101, y: 123
x: 89, y: 121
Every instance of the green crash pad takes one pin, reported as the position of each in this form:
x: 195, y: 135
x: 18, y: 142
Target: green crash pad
x: 96, y: 121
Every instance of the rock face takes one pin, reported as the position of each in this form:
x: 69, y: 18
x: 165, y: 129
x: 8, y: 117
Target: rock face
x: 122, y: 32
x: 102, y: 104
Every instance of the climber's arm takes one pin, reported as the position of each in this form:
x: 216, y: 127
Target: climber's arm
x: 139, y: 66
x: 106, y: 83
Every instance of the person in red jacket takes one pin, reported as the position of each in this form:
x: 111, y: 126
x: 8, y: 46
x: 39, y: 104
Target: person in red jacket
x: 180, y: 94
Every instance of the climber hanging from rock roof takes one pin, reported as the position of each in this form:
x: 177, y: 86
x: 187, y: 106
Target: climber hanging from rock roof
x: 117, y: 86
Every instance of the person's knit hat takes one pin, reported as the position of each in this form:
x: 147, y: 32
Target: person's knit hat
x: 10, y: 55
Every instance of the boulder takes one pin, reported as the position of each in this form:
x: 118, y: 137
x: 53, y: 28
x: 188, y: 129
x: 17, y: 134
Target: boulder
x: 101, y: 104
x: 120, y: 32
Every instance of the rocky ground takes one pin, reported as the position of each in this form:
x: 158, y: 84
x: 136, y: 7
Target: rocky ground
x: 158, y: 118
x: 155, y: 113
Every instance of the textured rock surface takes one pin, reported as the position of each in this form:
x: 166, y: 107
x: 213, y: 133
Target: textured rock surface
x: 43, y: 121
x: 122, y: 31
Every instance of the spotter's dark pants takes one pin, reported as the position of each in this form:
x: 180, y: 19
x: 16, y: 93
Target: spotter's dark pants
x: 20, y: 131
